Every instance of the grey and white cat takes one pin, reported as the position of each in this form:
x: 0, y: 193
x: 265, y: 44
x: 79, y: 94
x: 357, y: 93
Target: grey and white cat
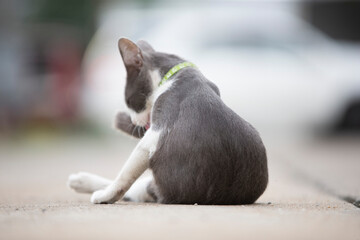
x: 198, y: 149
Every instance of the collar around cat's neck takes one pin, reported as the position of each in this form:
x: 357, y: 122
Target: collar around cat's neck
x: 174, y: 70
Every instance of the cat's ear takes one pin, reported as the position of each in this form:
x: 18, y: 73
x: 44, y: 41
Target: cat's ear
x: 145, y: 46
x: 131, y: 54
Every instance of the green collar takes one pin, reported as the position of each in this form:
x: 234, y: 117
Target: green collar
x: 174, y: 70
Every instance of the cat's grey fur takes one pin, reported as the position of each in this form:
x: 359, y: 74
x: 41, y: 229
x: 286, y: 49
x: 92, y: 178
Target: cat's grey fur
x: 206, y: 153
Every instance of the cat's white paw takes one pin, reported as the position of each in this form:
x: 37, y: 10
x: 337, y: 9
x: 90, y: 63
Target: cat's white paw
x: 79, y: 182
x: 108, y: 195
x: 84, y: 182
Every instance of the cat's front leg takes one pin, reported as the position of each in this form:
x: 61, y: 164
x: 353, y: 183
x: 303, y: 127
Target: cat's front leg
x: 137, y: 163
x: 123, y: 123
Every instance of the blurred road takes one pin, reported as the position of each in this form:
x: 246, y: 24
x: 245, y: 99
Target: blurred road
x: 298, y: 204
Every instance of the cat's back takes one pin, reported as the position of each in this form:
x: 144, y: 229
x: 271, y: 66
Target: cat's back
x: 209, y: 154
x: 215, y: 122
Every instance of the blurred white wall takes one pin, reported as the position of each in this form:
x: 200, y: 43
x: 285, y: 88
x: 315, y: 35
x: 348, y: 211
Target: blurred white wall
x: 272, y: 68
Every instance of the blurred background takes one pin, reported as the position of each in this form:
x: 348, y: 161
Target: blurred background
x: 291, y: 68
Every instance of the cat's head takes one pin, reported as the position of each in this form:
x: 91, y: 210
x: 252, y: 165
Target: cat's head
x: 140, y: 83
x: 144, y: 67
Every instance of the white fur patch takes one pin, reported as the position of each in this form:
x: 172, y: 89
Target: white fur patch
x: 160, y: 90
x: 142, y: 118
x: 155, y: 78
x: 151, y: 142
x: 138, y: 191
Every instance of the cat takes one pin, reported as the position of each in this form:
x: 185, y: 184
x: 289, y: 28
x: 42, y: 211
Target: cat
x: 198, y: 149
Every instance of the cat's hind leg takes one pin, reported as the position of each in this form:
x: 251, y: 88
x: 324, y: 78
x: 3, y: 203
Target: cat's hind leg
x: 135, y: 166
x: 84, y: 182
x: 141, y: 191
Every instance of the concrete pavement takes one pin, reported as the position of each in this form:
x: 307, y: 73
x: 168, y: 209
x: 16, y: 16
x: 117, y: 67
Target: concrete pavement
x: 36, y: 204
